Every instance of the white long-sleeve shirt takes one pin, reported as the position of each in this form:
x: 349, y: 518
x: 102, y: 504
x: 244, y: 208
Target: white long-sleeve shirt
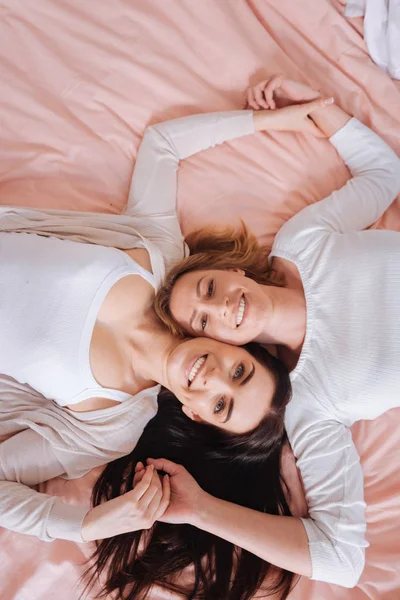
x: 51, y: 441
x: 349, y: 367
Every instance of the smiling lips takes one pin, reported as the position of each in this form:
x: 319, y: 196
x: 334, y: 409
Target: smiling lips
x: 240, y: 312
x: 196, y: 367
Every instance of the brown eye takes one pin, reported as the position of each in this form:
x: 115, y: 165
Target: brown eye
x: 210, y: 289
x: 203, y: 322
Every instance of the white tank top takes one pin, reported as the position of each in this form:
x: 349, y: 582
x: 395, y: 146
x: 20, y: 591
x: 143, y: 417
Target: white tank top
x: 51, y: 291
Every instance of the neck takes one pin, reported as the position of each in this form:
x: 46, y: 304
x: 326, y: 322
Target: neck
x: 154, y: 346
x: 286, y: 318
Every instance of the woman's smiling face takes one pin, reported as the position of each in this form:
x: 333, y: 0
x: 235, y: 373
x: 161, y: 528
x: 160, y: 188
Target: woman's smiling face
x: 224, y: 305
x: 220, y: 384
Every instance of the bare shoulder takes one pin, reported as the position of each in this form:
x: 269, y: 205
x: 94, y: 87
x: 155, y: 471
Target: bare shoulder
x: 127, y: 299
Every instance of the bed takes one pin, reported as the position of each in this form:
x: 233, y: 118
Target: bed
x: 79, y: 83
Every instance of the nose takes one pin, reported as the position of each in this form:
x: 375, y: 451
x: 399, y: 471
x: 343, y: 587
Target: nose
x: 224, y: 307
x: 210, y: 383
x: 218, y: 309
x: 210, y: 378
x: 213, y: 379
x: 221, y: 309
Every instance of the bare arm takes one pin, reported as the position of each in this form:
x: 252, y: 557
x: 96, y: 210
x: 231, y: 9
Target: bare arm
x: 279, y: 91
x: 327, y: 546
x: 329, y: 120
x: 281, y: 541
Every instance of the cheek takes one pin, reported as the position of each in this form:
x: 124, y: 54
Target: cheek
x: 173, y: 375
x: 268, y: 393
x: 200, y: 410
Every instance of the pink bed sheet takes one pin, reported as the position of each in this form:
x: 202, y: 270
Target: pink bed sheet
x: 79, y: 83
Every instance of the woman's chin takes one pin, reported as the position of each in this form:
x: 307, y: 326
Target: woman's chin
x: 243, y: 336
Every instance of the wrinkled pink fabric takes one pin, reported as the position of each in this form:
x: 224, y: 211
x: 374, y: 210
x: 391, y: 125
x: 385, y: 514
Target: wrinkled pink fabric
x: 81, y: 80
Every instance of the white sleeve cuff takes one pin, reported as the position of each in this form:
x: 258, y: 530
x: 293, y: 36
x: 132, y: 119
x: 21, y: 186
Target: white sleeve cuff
x: 65, y: 522
x: 341, y: 137
x: 333, y: 561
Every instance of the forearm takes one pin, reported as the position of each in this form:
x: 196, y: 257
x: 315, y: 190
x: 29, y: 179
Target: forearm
x: 330, y: 119
x: 282, y: 541
x: 296, y: 117
x: 264, y: 120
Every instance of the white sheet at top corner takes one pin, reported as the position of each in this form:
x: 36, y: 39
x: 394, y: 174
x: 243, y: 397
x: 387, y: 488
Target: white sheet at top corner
x: 381, y: 31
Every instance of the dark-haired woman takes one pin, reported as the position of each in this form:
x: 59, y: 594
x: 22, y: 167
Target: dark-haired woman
x: 183, y: 558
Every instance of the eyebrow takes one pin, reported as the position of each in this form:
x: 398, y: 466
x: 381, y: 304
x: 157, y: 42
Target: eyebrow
x: 249, y: 376
x: 230, y: 409
x: 198, y: 286
x: 231, y: 405
x: 192, y: 318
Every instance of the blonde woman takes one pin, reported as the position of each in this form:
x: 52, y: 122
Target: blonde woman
x: 329, y: 298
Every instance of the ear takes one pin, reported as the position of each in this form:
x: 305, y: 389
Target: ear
x: 192, y: 415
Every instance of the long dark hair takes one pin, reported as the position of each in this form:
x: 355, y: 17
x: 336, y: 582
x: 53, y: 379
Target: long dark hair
x: 244, y: 469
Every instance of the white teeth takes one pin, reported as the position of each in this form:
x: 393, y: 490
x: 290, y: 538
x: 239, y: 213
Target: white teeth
x: 193, y: 371
x: 240, y: 313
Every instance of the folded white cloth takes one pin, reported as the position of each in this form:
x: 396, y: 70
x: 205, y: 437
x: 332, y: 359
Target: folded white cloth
x: 381, y: 31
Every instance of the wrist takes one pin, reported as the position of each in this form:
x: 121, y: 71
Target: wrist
x: 88, y: 526
x: 263, y: 120
x: 308, y: 96
x: 330, y: 119
x: 203, y: 510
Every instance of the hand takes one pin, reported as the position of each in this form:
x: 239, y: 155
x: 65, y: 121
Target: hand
x: 279, y: 91
x: 135, y: 510
x: 186, y: 494
x: 292, y: 118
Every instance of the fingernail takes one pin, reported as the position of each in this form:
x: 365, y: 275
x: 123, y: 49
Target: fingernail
x: 330, y: 100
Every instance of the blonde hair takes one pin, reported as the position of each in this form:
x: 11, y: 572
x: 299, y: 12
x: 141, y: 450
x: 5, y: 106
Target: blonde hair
x: 221, y: 249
